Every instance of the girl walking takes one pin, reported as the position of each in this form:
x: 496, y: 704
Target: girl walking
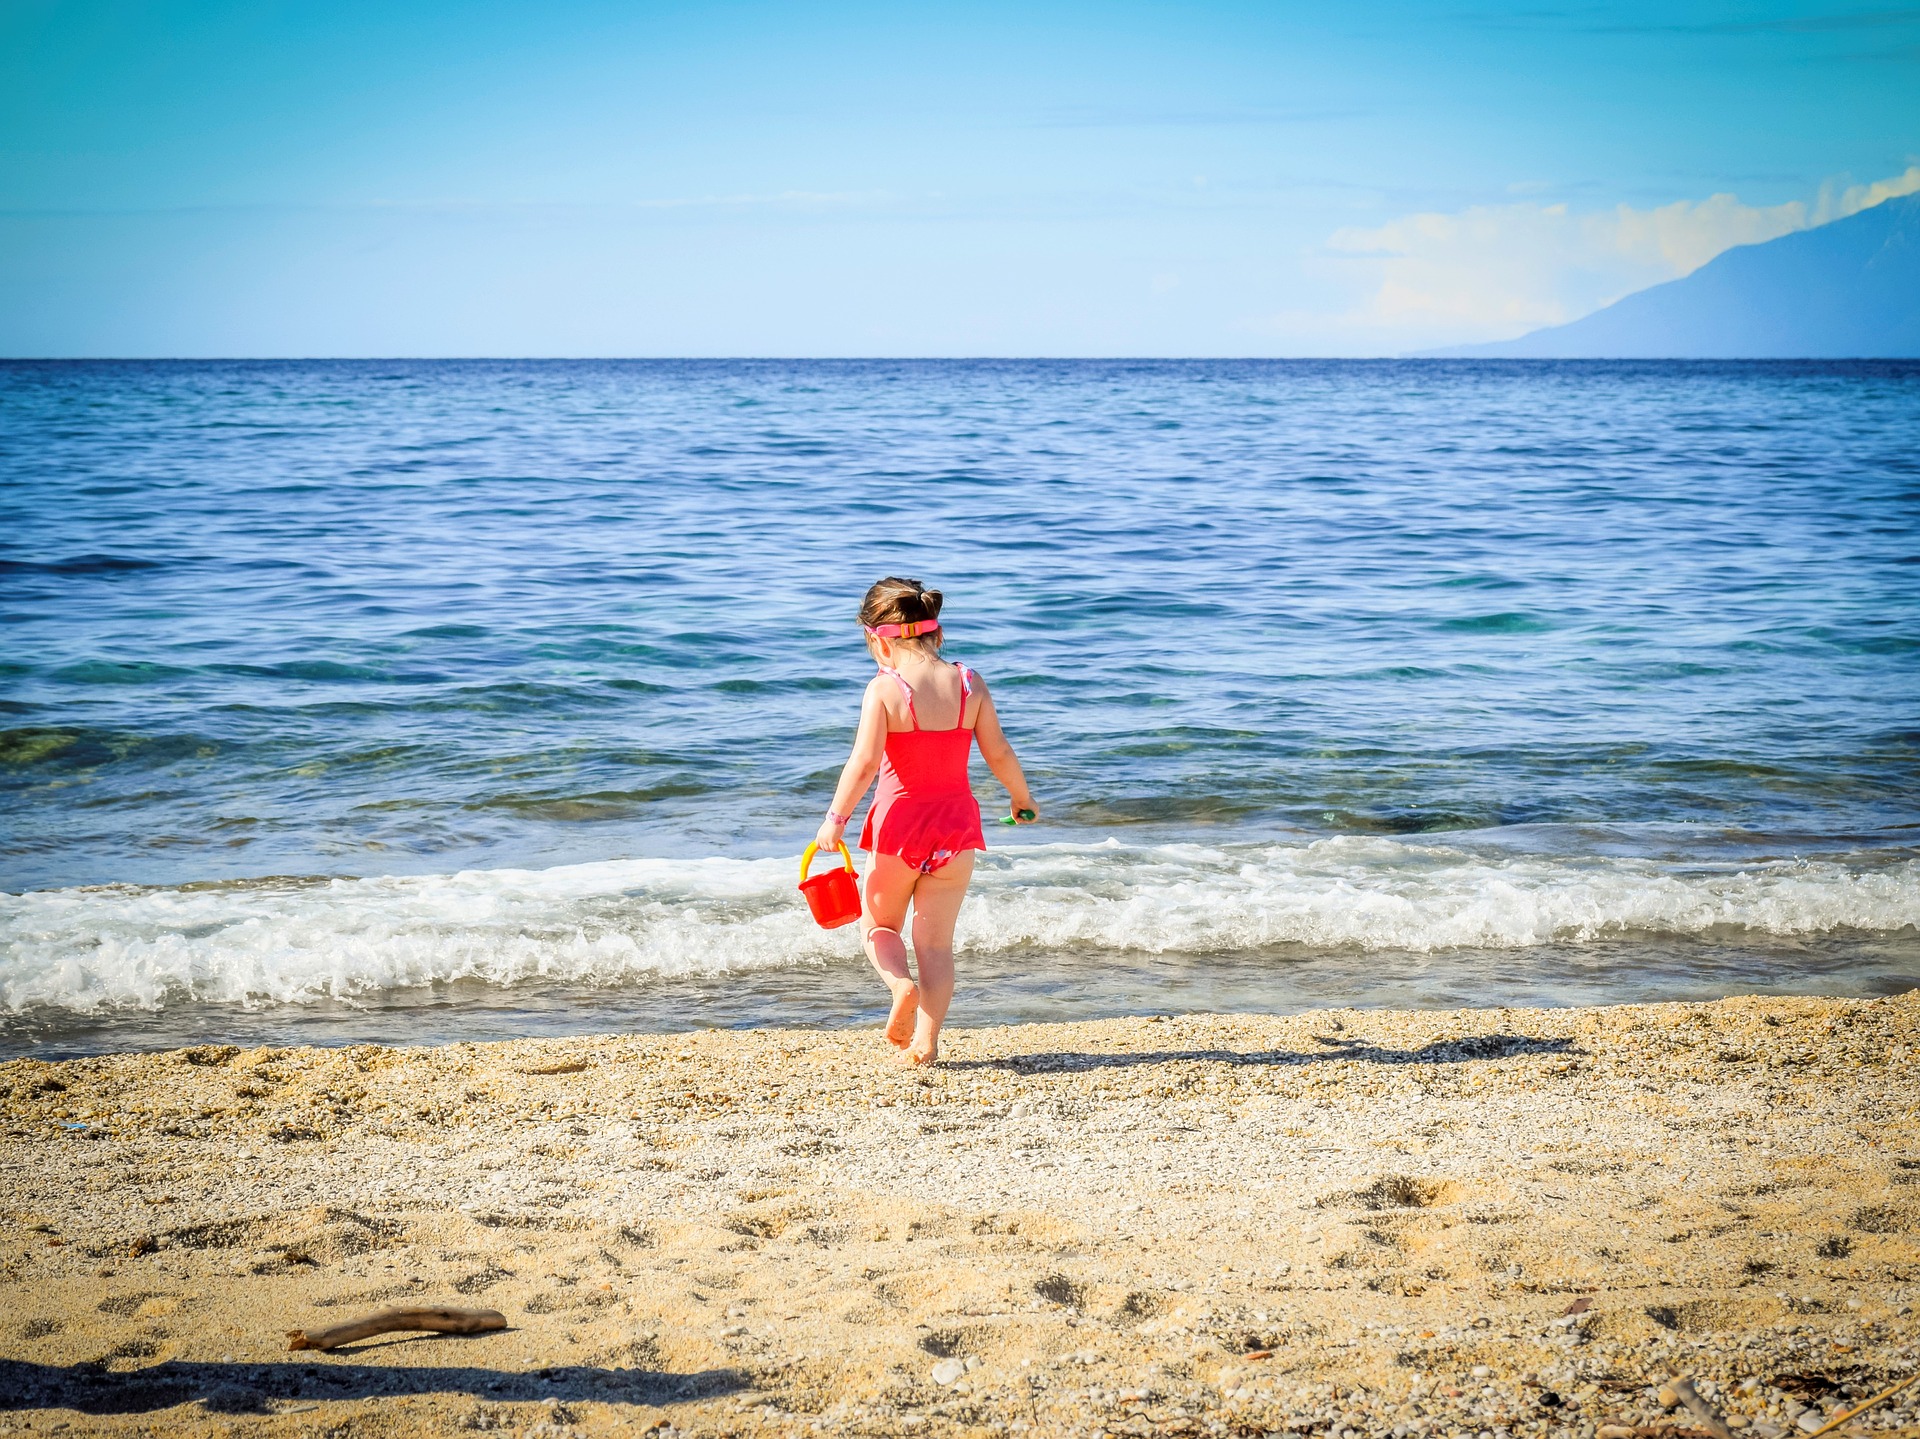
x: 918, y: 723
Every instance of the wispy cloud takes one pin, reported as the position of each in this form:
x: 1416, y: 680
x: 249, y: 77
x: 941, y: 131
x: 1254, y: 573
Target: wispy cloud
x: 1494, y: 271
x: 1859, y: 20
x: 1585, y: 20
x: 1782, y: 25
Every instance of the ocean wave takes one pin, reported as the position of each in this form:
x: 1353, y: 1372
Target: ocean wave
x: 92, y: 564
x: 620, y: 922
x: 1377, y: 894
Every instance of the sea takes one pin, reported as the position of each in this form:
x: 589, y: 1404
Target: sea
x: 410, y: 702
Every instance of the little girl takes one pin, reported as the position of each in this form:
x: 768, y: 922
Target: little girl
x: 917, y: 726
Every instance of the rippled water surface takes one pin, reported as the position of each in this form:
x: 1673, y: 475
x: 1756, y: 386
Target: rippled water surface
x: 414, y: 699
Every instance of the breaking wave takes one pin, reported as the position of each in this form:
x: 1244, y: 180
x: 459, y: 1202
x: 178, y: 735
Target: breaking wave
x: 612, y: 923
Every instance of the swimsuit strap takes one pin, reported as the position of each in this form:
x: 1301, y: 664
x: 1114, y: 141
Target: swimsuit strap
x: 966, y: 692
x: 901, y: 680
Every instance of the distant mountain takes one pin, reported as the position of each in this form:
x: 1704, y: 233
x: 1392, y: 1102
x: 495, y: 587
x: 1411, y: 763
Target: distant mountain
x: 1848, y: 290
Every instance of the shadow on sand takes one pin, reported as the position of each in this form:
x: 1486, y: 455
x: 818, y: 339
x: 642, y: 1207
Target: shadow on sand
x: 1444, y: 1051
x: 254, y: 1388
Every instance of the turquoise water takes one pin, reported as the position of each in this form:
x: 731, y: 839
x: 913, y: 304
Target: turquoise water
x: 415, y: 699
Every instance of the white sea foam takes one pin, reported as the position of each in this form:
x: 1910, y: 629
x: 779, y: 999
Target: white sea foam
x: 619, y: 922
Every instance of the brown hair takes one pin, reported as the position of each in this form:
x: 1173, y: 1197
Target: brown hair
x: 894, y: 601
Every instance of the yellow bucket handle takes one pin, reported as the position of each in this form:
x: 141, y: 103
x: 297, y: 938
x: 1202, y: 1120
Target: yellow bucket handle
x: 807, y: 858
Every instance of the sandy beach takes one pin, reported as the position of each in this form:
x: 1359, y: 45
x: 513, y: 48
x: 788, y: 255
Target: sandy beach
x: 1494, y: 1222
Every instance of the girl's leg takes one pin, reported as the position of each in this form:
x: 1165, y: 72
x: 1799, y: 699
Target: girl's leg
x: 936, y: 908
x: 890, y: 884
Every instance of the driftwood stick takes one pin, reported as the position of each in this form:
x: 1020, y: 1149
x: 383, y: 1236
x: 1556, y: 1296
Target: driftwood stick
x: 1850, y: 1414
x: 1708, y: 1416
x: 440, y: 1321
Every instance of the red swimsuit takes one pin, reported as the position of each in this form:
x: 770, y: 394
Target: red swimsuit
x: 925, y: 812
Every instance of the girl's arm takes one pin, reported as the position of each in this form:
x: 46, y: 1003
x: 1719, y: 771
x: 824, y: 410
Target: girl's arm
x: 862, y: 765
x: 997, y: 751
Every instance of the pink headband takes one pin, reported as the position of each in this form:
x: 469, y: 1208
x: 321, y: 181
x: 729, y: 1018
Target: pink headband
x: 902, y: 632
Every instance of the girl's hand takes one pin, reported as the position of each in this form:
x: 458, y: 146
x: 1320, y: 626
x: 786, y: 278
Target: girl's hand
x: 1024, y: 811
x: 830, y: 834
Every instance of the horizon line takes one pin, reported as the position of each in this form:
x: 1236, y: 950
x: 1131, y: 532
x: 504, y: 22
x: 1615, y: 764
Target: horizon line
x: 1426, y: 357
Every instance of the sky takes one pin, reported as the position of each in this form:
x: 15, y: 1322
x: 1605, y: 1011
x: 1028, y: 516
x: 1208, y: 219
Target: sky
x: 730, y: 178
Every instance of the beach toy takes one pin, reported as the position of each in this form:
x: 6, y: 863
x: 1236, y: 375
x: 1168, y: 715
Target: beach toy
x: 832, y: 895
x: 1025, y: 814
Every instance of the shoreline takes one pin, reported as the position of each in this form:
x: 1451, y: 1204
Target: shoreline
x: 1368, y: 1220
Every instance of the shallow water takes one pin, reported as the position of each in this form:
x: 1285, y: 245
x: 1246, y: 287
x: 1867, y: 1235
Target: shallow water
x: 1421, y: 683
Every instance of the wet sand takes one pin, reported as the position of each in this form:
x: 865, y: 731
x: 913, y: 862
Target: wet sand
x: 1495, y: 1222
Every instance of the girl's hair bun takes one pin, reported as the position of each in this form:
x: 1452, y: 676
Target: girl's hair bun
x: 897, y: 601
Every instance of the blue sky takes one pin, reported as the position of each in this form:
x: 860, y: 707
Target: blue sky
x: 736, y: 178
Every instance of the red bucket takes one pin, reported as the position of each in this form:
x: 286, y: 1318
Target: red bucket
x: 832, y: 895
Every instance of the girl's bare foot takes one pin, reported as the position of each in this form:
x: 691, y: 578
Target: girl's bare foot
x: 916, y: 1056
x: 906, y: 1005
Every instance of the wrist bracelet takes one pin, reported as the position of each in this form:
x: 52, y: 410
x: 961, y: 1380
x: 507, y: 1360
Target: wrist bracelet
x: 833, y: 818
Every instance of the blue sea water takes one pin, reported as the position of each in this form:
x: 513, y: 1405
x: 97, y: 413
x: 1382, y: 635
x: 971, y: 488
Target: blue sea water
x: 416, y: 700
